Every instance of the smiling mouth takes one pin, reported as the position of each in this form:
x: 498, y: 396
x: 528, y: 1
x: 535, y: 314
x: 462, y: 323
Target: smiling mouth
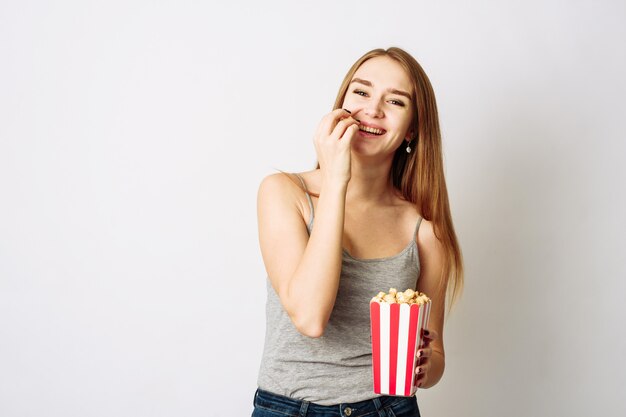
x: 371, y: 130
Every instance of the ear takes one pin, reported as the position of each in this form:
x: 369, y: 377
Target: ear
x: 409, y: 136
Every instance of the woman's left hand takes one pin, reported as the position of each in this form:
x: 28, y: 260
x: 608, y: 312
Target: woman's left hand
x: 423, y: 357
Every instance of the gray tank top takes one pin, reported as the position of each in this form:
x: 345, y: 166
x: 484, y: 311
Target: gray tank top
x: 337, y: 367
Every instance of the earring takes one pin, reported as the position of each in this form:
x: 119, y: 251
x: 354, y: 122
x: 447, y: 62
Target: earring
x: 408, y: 146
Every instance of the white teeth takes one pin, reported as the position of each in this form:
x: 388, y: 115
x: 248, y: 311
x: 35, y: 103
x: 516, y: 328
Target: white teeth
x: 371, y: 130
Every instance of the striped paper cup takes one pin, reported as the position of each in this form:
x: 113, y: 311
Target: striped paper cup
x: 396, y: 336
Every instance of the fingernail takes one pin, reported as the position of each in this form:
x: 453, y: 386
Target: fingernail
x: 418, y: 370
x: 347, y: 111
x: 419, y: 353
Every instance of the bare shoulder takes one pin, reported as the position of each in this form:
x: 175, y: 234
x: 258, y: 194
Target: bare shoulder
x: 277, y: 179
x: 426, y: 233
x: 312, y: 181
x: 282, y: 185
x: 431, y: 253
x: 310, y: 177
x: 281, y: 190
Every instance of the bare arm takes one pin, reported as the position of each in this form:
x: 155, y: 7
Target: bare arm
x: 433, y: 360
x: 304, y: 271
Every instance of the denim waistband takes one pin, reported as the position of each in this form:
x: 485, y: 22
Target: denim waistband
x: 292, y: 407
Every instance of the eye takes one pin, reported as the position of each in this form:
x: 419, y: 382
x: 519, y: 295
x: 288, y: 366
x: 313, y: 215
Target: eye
x: 396, y: 102
x: 360, y: 92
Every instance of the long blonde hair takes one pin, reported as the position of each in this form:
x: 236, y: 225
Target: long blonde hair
x: 419, y: 175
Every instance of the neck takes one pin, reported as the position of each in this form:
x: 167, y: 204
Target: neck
x: 369, y: 182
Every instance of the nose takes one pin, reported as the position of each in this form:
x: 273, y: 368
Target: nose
x: 373, y: 109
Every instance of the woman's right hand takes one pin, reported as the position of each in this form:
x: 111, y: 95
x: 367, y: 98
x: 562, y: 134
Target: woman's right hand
x: 333, y: 142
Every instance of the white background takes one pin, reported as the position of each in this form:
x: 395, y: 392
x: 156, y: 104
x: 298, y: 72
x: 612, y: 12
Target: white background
x: 134, y: 135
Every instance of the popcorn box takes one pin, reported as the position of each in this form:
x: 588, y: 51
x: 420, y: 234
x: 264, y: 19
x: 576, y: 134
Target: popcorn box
x: 396, y: 336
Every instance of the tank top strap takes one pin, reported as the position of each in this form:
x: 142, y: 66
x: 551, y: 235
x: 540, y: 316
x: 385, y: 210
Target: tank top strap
x: 306, y: 191
x: 419, y: 221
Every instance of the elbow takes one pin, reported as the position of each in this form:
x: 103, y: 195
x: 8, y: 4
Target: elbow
x: 308, y: 321
x: 310, y: 328
x: 313, y: 332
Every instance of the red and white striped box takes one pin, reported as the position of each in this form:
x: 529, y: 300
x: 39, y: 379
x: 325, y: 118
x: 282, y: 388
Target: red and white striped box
x: 396, y: 336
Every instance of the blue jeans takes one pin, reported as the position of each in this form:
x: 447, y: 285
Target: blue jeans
x: 267, y: 404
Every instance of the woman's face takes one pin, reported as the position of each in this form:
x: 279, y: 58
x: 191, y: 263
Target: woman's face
x: 380, y: 96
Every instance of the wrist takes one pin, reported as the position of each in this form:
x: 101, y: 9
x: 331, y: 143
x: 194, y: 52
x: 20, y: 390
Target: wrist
x: 334, y: 185
x: 437, y: 366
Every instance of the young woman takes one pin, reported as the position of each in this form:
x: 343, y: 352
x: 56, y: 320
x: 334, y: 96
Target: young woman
x: 373, y: 215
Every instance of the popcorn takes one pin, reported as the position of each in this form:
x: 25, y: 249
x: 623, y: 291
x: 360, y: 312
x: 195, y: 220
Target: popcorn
x: 390, y: 298
x: 401, y: 298
x: 397, y: 320
x: 408, y: 296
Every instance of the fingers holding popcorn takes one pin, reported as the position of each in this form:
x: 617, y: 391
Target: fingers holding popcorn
x: 423, y: 356
x: 422, y: 374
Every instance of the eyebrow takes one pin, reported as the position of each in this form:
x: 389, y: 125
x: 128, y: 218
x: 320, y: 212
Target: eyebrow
x: 390, y: 90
